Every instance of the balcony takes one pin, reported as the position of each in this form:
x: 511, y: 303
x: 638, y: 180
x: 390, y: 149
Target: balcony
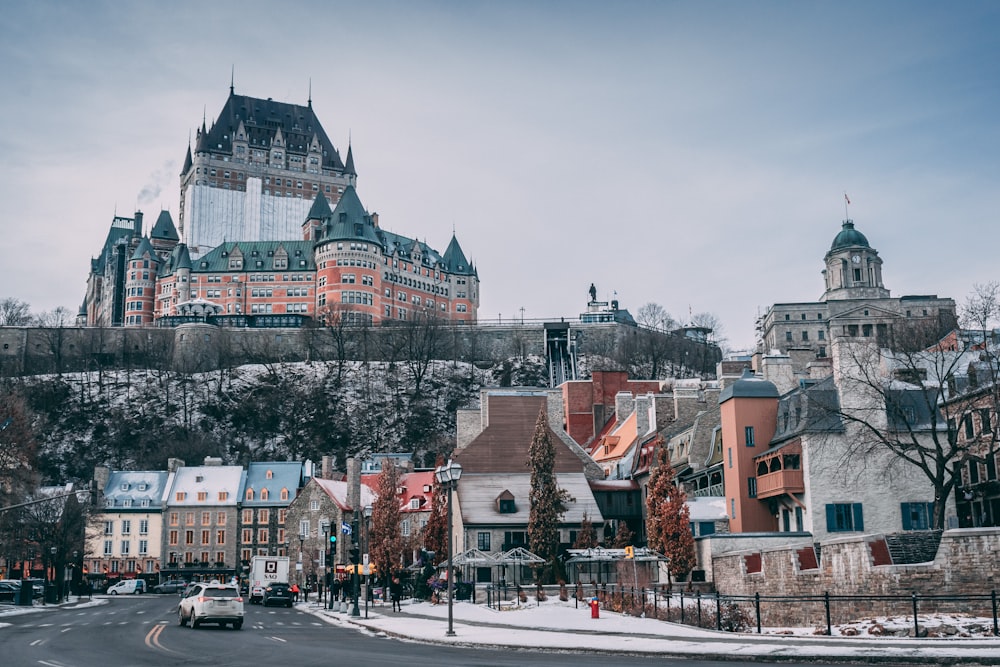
x: 780, y: 483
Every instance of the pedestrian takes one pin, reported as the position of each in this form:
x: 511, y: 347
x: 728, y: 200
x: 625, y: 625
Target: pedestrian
x: 396, y: 593
x: 294, y: 590
x: 335, y: 589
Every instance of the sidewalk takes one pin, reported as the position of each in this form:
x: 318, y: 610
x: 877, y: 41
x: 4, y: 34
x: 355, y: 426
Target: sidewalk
x: 559, y: 626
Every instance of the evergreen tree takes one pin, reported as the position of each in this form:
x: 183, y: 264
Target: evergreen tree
x: 623, y: 536
x: 548, y: 501
x: 385, y: 541
x: 587, y: 537
x: 668, y: 517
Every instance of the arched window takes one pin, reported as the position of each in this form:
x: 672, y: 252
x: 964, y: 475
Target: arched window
x: 263, y: 494
x: 269, y: 474
x: 761, y: 468
x: 775, y: 464
x: 284, y: 494
x: 249, y: 494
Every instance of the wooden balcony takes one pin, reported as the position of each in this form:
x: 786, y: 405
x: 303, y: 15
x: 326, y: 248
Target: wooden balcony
x: 780, y: 483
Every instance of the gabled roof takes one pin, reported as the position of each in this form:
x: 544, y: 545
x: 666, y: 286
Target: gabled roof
x: 478, y: 493
x: 213, y: 480
x: 337, y: 492
x: 413, y: 485
x: 273, y: 476
x: 503, y: 445
x: 618, y: 443
x: 133, y: 487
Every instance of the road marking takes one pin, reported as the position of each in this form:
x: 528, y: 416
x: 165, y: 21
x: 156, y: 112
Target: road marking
x: 36, y: 642
x: 50, y: 664
x: 65, y: 629
x: 279, y: 639
x: 153, y: 637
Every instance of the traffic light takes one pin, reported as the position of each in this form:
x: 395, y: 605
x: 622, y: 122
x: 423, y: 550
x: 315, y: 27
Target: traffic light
x: 333, y: 541
x: 629, y: 552
x: 355, y: 554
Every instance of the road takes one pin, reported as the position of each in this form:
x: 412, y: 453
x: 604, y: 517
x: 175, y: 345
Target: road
x: 141, y: 631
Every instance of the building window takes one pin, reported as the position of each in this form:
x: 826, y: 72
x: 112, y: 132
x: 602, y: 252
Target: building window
x: 805, y: 335
x: 247, y: 535
x: 109, y: 527
x: 263, y: 515
x: 483, y: 541
x: 917, y: 516
x: 205, y: 537
x: 732, y: 508
x: 844, y: 517
x: 220, y: 537
x: 748, y: 434
x: 143, y: 526
x: 262, y: 536
x: 788, y: 336
x: 752, y: 487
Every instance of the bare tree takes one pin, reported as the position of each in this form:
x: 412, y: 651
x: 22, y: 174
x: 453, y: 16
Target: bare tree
x: 14, y: 312
x: 386, y: 545
x: 655, y: 316
x: 898, y: 411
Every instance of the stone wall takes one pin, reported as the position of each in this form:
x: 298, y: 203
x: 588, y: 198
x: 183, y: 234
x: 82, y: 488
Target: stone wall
x: 203, y: 347
x: 967, y: 563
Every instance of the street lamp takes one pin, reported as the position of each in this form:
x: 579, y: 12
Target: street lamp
x: 302, y: 569
x: 365, y: 545
x: 448, y: 476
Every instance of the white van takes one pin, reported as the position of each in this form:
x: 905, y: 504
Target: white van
x: 128, y: 587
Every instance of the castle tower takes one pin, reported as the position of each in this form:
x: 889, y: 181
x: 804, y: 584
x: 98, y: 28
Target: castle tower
x: 255, y: 172
x: 853, y: 268
x: 140, y: 286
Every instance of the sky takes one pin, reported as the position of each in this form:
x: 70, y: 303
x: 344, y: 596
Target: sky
x: 695, y: 155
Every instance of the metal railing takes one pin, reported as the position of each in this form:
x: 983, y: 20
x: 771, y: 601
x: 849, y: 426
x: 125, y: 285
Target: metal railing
x: 743, y: 613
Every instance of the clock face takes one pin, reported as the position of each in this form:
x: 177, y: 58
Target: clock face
x: 856, y: 259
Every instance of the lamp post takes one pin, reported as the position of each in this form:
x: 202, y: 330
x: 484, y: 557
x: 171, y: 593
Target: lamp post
x: 448, y: 476
x: 365, y: 545
x: 301, y: 566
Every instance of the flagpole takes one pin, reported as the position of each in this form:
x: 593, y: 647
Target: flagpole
x: 846, y: 202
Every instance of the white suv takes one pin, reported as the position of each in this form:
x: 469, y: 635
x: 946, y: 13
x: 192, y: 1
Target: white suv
x: 211, y: 603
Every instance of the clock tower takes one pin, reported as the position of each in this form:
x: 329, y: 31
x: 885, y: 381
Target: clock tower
x: 853, y: 268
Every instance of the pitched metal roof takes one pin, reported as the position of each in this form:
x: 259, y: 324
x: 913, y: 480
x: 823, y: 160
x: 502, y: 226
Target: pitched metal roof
x: 478, y: 493
x: 258, y: 256
x: 283, y: 475
x: 213, y: 480
x: 262, y: 121
x: 164, y: 228
x: 129, y: 489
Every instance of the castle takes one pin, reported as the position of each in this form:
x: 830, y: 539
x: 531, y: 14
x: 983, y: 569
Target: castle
x: 271, y: 233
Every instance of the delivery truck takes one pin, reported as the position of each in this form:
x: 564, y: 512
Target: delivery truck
x: 264, y: 571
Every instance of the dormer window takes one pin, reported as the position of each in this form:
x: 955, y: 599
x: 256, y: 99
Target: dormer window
x: 269, y: 474
x: 414, y: 503
x: 199, y: 479
x: 506, y: 504
x: 249, y: 494
x: 143, y: 486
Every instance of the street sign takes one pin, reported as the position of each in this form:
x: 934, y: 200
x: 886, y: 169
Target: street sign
x: 345, y: 528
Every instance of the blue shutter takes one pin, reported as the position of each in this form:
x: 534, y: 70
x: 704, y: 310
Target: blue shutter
x: 831, y: 519
x: 859, y: 519
x: 904, y: 509
x: 930, y: 516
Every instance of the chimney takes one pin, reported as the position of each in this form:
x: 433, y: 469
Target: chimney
x: 174, y: 464
x: 101, y: 476
x: 213, y: 461
x: 354, y: 485
x: 624, y: 404
x: 642, y: 406
x: 137, y: 225
x: 326, y: 470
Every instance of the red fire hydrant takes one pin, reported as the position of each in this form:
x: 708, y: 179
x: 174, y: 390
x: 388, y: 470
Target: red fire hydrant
x: 595, y: 608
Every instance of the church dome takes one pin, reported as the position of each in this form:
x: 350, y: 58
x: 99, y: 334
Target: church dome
x: 849, y: 237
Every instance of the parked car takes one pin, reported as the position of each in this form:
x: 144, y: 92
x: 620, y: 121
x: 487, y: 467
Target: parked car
x: 37, y: 586
x: 211, y: 603
x: 277, y: 594
x: 9, y: 591
x: 128, y: 587
x: 174, y: 586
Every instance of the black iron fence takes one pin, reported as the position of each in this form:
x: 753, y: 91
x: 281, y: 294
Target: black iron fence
x: 745, y: 613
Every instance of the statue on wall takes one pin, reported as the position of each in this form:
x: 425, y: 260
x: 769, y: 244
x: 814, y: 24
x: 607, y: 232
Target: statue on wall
x: 593, y: 292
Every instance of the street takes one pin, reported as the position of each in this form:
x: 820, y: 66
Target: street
x: 139, y: 631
